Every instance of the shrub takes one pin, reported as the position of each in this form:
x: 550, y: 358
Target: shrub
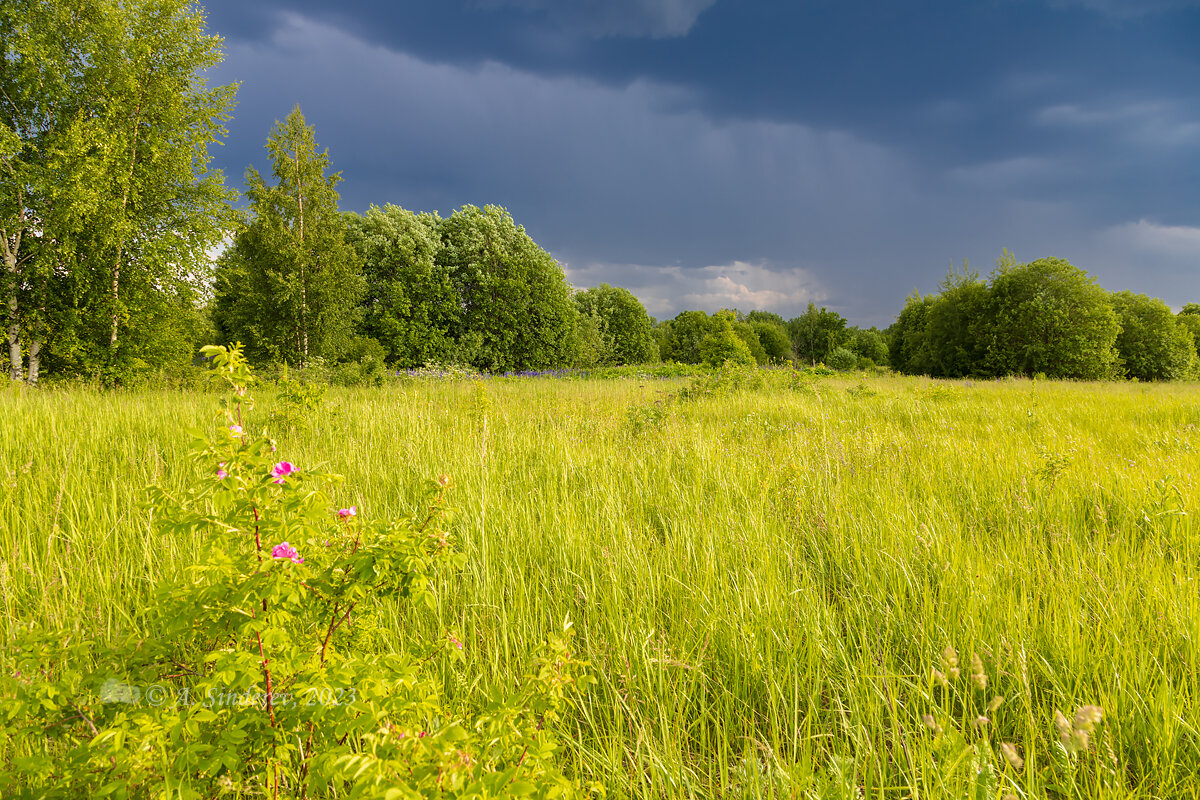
x: 842, y: 360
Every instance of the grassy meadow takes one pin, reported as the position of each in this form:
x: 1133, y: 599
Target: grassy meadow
x: 763, y: 579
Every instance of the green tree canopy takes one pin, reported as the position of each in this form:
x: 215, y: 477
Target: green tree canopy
x: 682, y: 337
x: 1051, y: 317
x: 107, y: 206
x: 868, y: 343
x: 622, y: 323
x: 1190, y: 320
x: 1152, y: 344
x: 749, y: 336
x: 908, y: 341
x: 773, y: 338
x: 515, y: 309
x: 768, y: 317
x: 410, y: 305
x: 290, y: 285
x: 957, y: 327
x: 721, y: 342
x: 816, y: 333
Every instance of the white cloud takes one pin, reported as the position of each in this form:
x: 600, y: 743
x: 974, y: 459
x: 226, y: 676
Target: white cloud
x: 667, y: 290
x: 1180, y: 242
x: 1127, y: 9
x: 1151, y: 122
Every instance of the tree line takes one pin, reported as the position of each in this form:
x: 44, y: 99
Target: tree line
x: 109, y: 210
x: 1047, y: 317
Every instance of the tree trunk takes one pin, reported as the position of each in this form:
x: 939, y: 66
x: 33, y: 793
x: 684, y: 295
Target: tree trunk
x: 15, y: 359
x: 35, y: 356
x: 116, y: 287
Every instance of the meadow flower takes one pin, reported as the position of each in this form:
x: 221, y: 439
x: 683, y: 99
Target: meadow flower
x: 454, y: 641
x: 283, y: 550
x: 282, y: 470
x: 235, y: 430
x: 346, y: 513
x: 443, y: 481
x: 221, y: 473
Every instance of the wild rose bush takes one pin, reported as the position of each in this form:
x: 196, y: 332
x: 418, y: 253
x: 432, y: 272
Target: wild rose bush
x: 253, y: 683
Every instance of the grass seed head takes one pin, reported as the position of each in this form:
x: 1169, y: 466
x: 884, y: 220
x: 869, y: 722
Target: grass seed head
x: 1087, y: 718
x: 978, y: 673
x: 950, y: 662
x: 1012, y: 755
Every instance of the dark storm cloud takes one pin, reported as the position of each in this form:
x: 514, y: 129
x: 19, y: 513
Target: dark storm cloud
x: 656, y: 18
x: 754, y: 153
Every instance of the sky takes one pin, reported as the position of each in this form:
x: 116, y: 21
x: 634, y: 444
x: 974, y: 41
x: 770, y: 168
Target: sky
x: 755, y: 153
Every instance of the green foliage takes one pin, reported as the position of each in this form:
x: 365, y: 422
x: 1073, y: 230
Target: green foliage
x: 290, y: 284
x: 410, y: 305
x: 682, y: 337
x: 515, y: 309
x: 588, y: 343
x: 842, y: 359
x: 957, y: 328
x: 722, y: 344
x: 1153, y: 344
x: 1051, y: 317
x: 254, y: 680
x: 730, y: 376
x: 908, y: 340
x: 1191, y: 323
x: 768, y: 317
x: 296, y: 402
x: 868, y: 344
x: 816, y: 333
x: 107, y: 205
x: 773, y: 338
x: 749, y: 336
x: 621, y: 324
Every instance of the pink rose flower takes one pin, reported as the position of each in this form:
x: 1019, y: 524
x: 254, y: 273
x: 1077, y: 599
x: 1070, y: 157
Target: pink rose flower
x: 283, y: 550
x: 282, y: 470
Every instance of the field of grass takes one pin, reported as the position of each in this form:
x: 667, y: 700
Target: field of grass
x: 763, y: 579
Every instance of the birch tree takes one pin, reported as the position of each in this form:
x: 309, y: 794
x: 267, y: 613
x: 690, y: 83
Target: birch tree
x: 290, y: 285
x: 107, y: 206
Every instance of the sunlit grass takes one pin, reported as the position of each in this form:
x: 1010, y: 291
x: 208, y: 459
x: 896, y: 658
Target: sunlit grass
x: 763, y: 580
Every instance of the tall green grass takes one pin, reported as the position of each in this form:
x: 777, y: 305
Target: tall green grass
x: 763, y: 580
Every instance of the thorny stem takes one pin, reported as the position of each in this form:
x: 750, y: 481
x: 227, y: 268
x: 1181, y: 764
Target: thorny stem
x: 335, y: 622
x: 266, y: 673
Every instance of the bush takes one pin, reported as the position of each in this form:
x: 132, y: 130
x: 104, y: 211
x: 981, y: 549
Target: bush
x: 842, y: 360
